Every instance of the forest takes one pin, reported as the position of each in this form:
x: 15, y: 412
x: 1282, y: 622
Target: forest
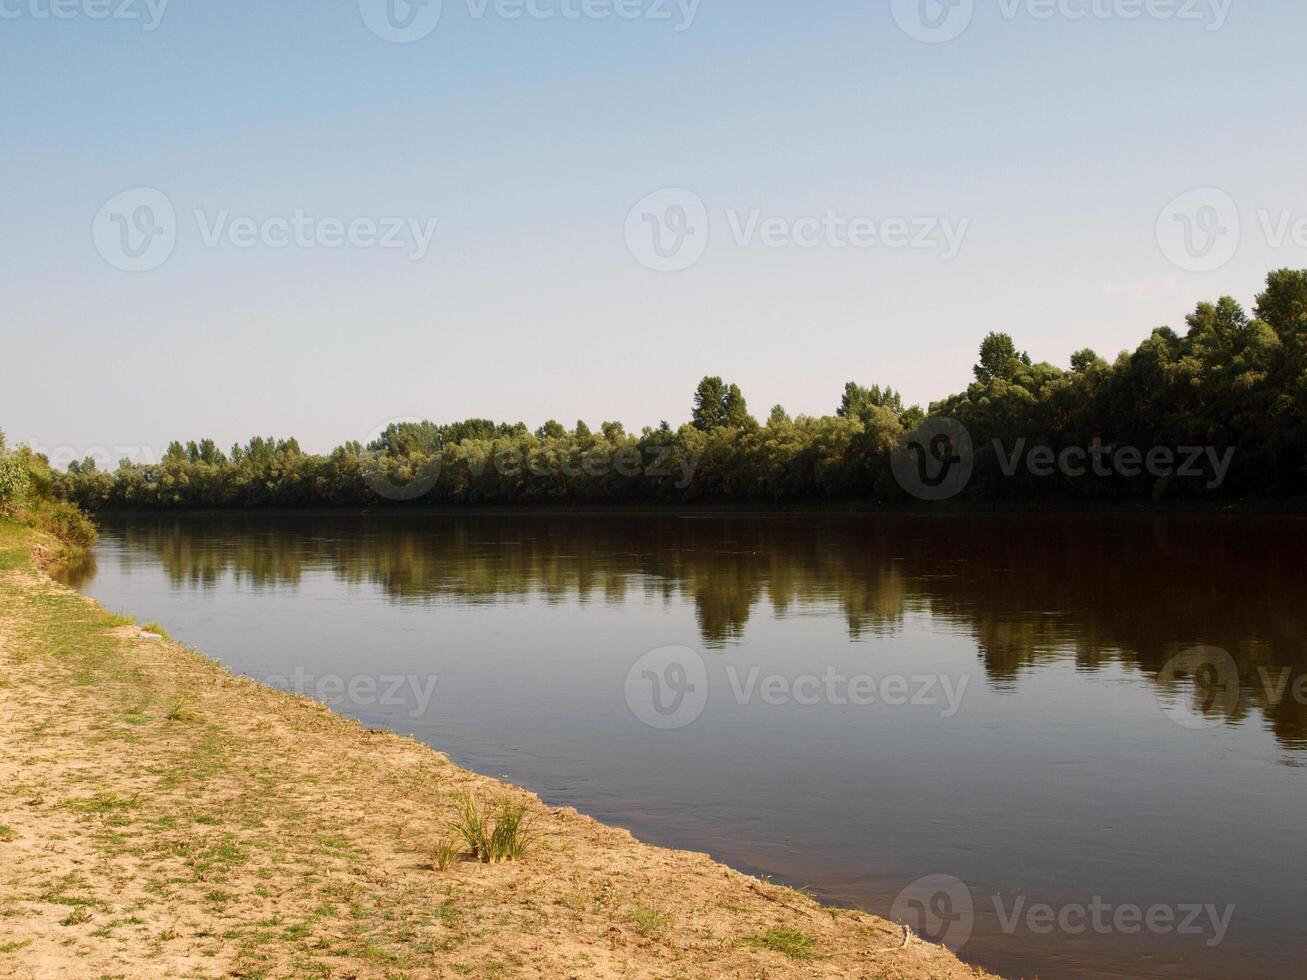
x: 1231, y: 384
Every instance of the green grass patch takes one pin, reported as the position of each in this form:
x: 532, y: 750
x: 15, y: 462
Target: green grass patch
x: 80, y: 915
x: 648, y: 922
x: 102, y: 804
x: 180, y: 711
x: 789, y: 942
x: 449, y: 915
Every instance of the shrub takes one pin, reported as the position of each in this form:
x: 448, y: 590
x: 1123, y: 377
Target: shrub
x: 26, y: 494
x: 65, y: 521
x: 14, y: 483
x: 506, y: 840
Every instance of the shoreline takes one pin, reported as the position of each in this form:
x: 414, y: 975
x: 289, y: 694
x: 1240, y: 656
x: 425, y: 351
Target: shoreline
x: 162, y: 815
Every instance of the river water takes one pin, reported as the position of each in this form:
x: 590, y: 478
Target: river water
x: 1066, y: 745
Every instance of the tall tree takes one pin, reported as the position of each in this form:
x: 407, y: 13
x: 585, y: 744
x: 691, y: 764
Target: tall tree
x: 719, y: 405
x: 710, y: 404
x: 999, y: 359
x: 734, y: 408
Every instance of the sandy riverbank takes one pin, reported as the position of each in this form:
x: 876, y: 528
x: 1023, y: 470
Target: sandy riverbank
x: 160, y: 816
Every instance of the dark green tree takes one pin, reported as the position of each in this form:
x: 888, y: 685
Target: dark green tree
x: 718, y: 405
x: 999, y: 359
x: 710, y: 404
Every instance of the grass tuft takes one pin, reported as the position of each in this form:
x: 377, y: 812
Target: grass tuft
x: 647, y: 921
x: 181, y: 712
x: 78, y: 916
x: 445, y: 854
x: 506, y: 840
x: 787, y: 941
x: 102, y: 803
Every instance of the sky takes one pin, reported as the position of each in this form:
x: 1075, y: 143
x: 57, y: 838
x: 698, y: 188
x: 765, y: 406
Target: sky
x: 308, y: 219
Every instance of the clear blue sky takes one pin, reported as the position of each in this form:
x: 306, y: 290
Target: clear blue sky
x: 1061, y: 140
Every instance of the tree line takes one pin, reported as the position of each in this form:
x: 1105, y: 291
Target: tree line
x: 1233, y: 382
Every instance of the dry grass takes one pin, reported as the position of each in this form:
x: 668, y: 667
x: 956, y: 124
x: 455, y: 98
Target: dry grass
x: 162, y: 817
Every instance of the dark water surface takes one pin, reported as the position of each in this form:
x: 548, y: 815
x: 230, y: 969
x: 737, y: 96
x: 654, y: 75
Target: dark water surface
x: 1051, y: 752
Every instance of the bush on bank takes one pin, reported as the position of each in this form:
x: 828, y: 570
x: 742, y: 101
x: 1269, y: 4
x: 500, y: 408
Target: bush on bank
x: 27, y: 495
